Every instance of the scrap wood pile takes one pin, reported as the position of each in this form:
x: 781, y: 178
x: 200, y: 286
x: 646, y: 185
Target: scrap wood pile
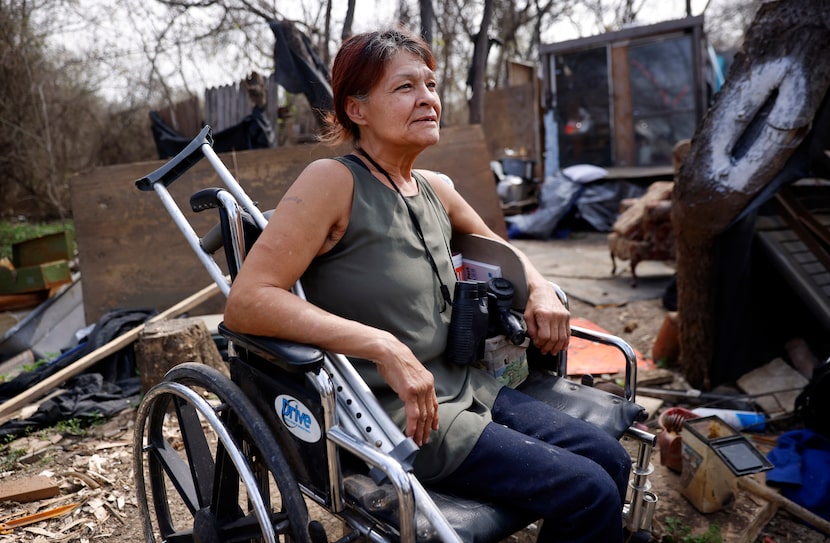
x: 81, y: 489
x: 37, y: 268
x: 65, y: 476
x: 643, y: 230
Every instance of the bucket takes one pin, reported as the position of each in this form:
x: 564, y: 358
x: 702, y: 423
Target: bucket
x: 522, y: 167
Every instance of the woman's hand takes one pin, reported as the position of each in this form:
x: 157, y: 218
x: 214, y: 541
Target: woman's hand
x: 548, y: 321
x: 415, y: 385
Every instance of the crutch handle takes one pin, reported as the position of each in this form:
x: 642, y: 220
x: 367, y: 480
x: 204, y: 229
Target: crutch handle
x: 179, y: 164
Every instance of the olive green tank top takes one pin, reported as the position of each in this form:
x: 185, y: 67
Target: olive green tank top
x: 378, y: 274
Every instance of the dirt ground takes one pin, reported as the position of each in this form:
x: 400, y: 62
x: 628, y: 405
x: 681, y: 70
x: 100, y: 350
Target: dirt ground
x: 93, y: 466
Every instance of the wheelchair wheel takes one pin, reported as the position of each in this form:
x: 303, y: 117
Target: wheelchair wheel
x: 206, y: 463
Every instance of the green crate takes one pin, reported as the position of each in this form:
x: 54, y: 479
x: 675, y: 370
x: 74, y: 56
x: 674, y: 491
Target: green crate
x: 43, y: 249
x: 34, y: 278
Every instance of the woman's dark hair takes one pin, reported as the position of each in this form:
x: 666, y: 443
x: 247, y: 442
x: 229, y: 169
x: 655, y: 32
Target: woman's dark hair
x: 358, y: 66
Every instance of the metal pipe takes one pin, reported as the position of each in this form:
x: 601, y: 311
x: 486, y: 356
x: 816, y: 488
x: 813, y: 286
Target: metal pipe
x: 392, y: 469
x: 237, y: 233
x: 643, y: 501
x: 323, y: 384
x: 408, y: 488
x: 625, y: 349
x: 356, y: 397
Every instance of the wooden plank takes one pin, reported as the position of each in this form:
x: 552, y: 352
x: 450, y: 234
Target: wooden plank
x: 817, y: 522
x: 776, y: 386
x: 29, y: 489
x: 624, y: 154
x: 131, y: 251
x: 56, y: 379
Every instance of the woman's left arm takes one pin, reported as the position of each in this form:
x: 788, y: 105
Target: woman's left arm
x: 548, y: 321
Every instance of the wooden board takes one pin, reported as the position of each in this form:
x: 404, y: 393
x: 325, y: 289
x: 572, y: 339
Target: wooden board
x: 511, y: 121
x: 133, y: 255
x: 776, y: 386
x: 623, y: 123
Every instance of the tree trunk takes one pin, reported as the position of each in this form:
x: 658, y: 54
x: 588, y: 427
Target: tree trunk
x: 760, y: 117
x: 479, y: 67
x: 167, y: 343
x: 347, y: 22
x: 427, y: 20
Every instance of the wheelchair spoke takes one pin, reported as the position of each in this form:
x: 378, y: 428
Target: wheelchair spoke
x: 184, y: 536
x: 197, y: 450
x: 200, y: 472
x: 225, y: 500
x: 165, y: 460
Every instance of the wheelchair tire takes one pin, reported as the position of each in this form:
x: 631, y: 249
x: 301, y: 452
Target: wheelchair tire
x: 204, y: 469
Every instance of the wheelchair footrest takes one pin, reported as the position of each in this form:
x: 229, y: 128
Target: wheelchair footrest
x: 473, y: 521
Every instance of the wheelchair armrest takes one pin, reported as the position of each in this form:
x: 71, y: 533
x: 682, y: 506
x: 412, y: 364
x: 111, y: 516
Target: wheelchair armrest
x: 560, y: 364
x: 288, y: 355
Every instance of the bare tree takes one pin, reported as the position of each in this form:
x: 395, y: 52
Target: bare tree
x: 726, y: 22
x: 606, y: 15
x: 427, y: 19
x: 347, y: 22
x: 479, y: 65
x: 518, y: 28
x: 757, y: 123
x: 324, y: 53
x: 50, y: 116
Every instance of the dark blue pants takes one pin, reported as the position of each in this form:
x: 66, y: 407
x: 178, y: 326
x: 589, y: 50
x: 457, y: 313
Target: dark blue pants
x: 538, y: 459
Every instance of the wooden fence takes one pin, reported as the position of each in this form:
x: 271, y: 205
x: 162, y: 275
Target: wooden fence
x: 224, y: 107
x: 227, y: 105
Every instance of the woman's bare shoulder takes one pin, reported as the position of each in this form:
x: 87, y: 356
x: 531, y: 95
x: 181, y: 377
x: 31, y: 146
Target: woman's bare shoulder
x: 325, y: 168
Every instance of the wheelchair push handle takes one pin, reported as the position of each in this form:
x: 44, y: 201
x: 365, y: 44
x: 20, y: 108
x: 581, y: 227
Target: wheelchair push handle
x: 178, y: 165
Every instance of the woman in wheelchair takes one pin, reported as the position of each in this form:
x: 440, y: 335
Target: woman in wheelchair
x: 369, y: 239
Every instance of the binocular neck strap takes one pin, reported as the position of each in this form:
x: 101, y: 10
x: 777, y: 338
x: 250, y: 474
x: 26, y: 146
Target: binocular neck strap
x: 445, y: 291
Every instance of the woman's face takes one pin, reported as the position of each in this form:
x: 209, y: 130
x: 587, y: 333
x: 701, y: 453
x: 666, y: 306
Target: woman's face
x: 403, y: 108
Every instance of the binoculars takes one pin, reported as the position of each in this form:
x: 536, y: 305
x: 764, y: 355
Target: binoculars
x: 481, y: 310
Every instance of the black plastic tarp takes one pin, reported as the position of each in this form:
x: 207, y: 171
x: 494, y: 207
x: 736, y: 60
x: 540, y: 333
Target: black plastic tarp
x: 252, y: 132
x: 298, y: 68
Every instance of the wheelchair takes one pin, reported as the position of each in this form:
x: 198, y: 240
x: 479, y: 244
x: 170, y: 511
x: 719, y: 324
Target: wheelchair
x: 254, y: 454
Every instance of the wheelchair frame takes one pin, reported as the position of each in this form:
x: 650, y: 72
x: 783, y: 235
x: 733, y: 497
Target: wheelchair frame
x: 253, y: 442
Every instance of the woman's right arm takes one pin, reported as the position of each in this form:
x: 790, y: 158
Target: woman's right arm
x: 309, y: 220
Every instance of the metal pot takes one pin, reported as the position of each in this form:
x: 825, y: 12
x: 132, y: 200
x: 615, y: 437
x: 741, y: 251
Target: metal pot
x: 514, y: 189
